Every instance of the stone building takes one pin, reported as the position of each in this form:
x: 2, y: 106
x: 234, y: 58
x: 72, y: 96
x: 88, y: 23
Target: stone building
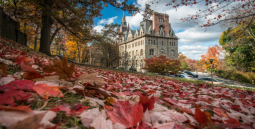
x: 154, y: 37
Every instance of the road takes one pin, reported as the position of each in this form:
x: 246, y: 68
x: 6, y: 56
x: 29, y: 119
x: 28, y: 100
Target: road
x: 226, y: 81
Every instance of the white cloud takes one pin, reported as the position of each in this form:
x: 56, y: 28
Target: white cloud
x: 193, y: 51
x: 98, y: 28
x: 101, y: 23
x: 134, y: 21
x: 109, y: 21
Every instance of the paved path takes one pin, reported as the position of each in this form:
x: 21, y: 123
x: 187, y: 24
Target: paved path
x: 226, y: 81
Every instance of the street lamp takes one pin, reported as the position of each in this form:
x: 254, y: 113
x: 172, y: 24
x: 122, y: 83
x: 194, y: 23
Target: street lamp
x: 211, y: 61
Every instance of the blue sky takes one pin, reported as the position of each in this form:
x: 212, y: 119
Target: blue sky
x: 193, y: 41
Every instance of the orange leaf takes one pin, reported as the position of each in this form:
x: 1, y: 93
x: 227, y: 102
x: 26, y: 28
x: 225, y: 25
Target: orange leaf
x: 45, y: 90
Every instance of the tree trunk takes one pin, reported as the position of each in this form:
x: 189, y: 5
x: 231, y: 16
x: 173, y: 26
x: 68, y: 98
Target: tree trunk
x: 36, y: 37
x: 54, y: 34
x: 46, y: 26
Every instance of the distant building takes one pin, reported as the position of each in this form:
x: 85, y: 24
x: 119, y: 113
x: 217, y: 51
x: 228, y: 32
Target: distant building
x: 154, y: 37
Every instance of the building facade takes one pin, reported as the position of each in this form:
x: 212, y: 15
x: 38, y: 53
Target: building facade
x: 154, y: 37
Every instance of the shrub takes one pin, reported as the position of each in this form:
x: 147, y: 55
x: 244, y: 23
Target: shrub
x: 130, y: 69
x: 121, y: 68
x: 235, y: 75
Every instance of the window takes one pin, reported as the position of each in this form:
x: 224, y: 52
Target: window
x: 162, y: 51
x: 151, y: 51
x: 141, y: 63
x: 136, y: 62
x: 136, y: 44
x: 139, y: 43
x: 162, y: 43
x: 154, y: 42
x: 136, y: 53
x: 133, y: 53
x: 132, y: 45
x: 172, y: 53
x: 141, y: 52
x: 129, y: 53
x: 120, y: 63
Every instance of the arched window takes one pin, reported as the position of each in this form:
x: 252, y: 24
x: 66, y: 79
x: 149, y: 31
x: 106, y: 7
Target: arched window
x: 162, y: 51
x: 174, y: 43
x: 137, y: 54
x: 141, y: 52
x: 129, y: 54
x: 151, y: 51
x: 172, y: 53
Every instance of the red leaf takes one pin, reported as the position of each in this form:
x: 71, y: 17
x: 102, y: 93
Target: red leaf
x: 26, y: 68
x: 20, y: 59
x: 18, y: 84
x: 125, y: 113
x: 147, y: 103
x: 169, y: 100
x: 46, y: 90
x: 231, y: 122
x: 68, y: 110
x: 201, y: 117
x: 8, y: 96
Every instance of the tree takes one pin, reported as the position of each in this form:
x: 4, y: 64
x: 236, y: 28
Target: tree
x: 214, y: 11
x: 75, y: 16
x: 238, y: 46
x: 184, y: 65
x: 213, y: 52
x: 181, y: 57
x: 191, y: 64
x: 162, y: 65
x: 105, y: 49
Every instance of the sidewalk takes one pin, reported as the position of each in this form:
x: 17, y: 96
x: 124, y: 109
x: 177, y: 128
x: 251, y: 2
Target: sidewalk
x: 227, y: 81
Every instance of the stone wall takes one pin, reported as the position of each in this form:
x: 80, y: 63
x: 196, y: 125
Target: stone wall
x: 10, y: 29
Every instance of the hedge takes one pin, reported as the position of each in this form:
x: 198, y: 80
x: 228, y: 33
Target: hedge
x: 234, y: 75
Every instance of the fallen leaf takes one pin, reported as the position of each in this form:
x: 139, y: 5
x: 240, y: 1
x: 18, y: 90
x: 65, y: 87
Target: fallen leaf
x: 32, y: 75
x: 92, y: 80
x: 201, y: 117
x: 101, y: 123
x: 8, y: 97
x: 18, y: 108
x: 88, y: 116
x: 45, y: 90
x: 147, y: 103
x: 61, y: 67
x: 126, y: 114
x: 3, y: 70
x: 6, y: 80
x: 26, y: 68
x: 25, y: 85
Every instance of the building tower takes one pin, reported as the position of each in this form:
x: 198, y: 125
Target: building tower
x: 123, y: 26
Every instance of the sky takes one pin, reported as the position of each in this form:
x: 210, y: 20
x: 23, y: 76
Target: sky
x: 193, y: 40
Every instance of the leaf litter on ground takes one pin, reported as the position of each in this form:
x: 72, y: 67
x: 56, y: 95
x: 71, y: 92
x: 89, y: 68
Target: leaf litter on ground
x: 46, y: 92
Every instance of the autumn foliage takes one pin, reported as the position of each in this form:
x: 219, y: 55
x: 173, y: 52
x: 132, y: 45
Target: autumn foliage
x: 162, y: 65
x: 214, y: 53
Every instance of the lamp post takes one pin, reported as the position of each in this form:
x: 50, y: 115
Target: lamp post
x: 211, y: 61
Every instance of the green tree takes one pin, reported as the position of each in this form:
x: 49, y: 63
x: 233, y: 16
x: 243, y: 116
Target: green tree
x: 184, y: 65
x: 239, y: 53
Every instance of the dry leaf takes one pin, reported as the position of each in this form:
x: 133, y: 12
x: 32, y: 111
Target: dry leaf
x: 61, y: 67
x: 3, y: 70
x: 92, y: 80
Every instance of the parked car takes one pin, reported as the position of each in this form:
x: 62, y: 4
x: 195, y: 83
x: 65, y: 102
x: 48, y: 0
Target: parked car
x: 192, y: 74
x: 186, y: 76
x: 208, y: 80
